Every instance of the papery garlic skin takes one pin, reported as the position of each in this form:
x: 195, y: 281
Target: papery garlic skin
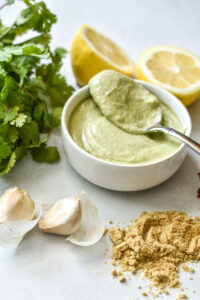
x: 91, y: 227
x: 16, y: 205
x: 13, y: 232
x: 63, y: 218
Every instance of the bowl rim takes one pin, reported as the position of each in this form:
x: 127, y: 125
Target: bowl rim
x: 64, y: 128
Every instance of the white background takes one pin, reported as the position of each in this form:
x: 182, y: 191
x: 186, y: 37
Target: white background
x: 45, y: 266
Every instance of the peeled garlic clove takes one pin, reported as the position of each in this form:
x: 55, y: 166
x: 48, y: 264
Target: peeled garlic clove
x: 12, y: 232
x: 16, y: 205
x: 91, y: 227
x: 63, y: 218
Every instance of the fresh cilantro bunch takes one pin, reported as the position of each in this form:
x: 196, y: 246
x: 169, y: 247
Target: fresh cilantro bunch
x: 32, y: 91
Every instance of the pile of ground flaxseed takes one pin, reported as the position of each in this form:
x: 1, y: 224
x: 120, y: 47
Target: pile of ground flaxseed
x: 158, y: 243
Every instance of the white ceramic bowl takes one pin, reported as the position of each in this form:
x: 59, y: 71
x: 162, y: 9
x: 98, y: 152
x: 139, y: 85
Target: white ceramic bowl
x: 121, y: 177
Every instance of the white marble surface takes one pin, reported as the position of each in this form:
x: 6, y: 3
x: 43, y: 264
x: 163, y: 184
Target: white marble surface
x: 45, y: 266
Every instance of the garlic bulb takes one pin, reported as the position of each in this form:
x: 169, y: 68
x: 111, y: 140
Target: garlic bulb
x: 18, y: 215
x: 16, y: 205
x: 63, y: 218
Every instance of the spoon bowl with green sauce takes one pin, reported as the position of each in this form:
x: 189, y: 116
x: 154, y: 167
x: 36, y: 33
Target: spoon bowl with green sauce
x: 131, y: 107
x: 125, y: 102
x: 114, y: 158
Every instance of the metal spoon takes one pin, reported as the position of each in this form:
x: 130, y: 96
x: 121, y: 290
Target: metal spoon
x: 177, y: 134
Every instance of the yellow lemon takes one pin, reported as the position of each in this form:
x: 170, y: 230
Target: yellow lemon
x: 92, y: 52
x: 174, y: 69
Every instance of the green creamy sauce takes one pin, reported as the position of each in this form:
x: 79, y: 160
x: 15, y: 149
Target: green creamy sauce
x: 110, y: 123
x: 124, y: 102
x: 98, y: 136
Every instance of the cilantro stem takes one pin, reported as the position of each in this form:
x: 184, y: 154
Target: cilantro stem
x: 2, y: 6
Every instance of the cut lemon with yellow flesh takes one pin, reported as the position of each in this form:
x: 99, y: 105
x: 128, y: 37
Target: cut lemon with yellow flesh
x: 172, y: 68
x: 92, y: 52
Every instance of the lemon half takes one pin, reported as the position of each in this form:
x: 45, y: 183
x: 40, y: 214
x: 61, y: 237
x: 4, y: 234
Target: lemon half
x: 92, y: 52
x: 172, y: 68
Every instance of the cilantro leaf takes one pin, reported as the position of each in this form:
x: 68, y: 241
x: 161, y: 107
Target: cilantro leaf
x: 12, y: 134
x: 11, y: 114
x: 10, y: 164
x: 36, y: 17
x: 34, y: 133
x: 45, y: 154
x: 30, y: 135
x: 20, y: 120
x: 7, y: 88
x: 24, y: 67
x: 5, y: 149
x: 43, y: 39
x: 56, y: 116
x: 58, y: 90
x: 32, y: 90
x: 39, y: 15
x: 8, y: 133
x: 38, y: 50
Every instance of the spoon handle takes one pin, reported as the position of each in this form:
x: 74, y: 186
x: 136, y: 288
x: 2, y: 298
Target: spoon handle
x: 179, y: 135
